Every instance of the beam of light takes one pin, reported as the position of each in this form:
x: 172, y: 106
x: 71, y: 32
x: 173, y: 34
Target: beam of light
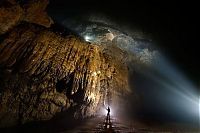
x: 103, y: 111
x: 178, y: 95
x: 88, y: 38
x: 199, y: 110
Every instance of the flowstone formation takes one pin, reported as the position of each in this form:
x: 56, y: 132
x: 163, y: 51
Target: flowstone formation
x: 43, y: 73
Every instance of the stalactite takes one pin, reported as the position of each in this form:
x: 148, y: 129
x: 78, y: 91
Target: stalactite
x: 44, y: 73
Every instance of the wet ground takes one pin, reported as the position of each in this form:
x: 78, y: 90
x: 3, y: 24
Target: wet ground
x: 100, y: 124
x: 97, y: 125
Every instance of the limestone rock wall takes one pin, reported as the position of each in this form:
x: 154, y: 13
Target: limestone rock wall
x: 12, y: 13
x: 43, y: 73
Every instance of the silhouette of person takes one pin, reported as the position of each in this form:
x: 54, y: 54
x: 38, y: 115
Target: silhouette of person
x: 108, y: 114
x: 108, y: 111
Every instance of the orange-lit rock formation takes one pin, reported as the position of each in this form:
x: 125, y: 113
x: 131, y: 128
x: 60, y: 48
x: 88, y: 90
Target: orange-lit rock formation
x: 43, y: 73
x: 12, y: 13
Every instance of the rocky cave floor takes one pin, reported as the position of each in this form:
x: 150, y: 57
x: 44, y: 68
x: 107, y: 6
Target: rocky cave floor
x: 96, y: 125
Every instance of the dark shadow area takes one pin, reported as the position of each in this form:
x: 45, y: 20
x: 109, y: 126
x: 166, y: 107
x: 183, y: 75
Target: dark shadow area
x: 2, y: 38
x: 60, y: 85
x: 65, y: 85
x: 61, y: 122
x: 69, y: 85
x: 61, y: 30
